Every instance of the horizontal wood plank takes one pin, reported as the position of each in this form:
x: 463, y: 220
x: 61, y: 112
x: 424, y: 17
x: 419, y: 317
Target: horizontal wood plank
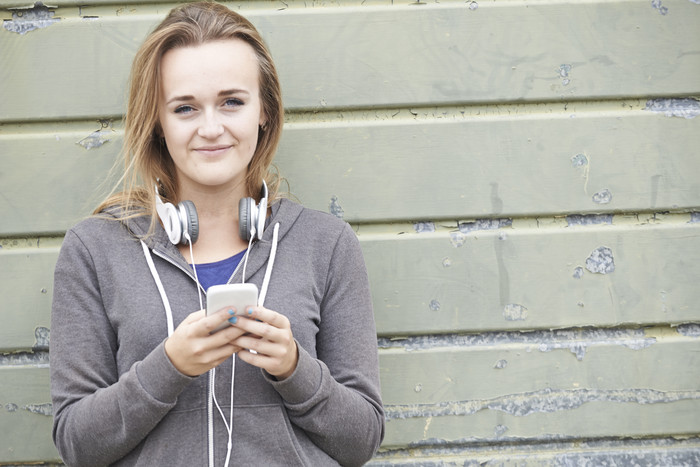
x: 518, y: 165
x: 418, y: 169
x: 518, y: 389
x: 595, y: 419
x: 649, y: 451
x: 25, y: 416
x: 449, y: 281
x: 368, y: 57
x: 548, y: 371
x: 59, y: 175
x: 26, y: 291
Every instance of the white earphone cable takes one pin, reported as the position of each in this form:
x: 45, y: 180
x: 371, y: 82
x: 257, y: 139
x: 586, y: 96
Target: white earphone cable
x: 161, y: 289
x: 245, y: 258
x: 194, y: 269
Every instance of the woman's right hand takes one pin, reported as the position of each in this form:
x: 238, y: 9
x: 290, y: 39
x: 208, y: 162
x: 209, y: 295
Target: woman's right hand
x: 193, y: 350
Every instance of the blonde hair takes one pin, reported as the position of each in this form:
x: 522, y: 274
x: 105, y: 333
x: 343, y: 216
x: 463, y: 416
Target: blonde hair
x: 146, y: 158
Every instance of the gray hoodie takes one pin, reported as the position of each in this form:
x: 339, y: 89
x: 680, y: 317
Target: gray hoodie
x: 118, y: 399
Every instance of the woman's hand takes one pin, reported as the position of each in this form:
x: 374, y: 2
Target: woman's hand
x: 269, y: 335
x: 193, y: 350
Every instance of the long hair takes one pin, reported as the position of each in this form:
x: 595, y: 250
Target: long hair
x: 146, y: 158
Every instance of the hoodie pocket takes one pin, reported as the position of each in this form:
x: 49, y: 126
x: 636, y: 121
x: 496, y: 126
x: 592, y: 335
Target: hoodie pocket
x: 263, y: 435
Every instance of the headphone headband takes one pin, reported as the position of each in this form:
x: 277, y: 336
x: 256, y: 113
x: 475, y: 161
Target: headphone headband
x: 182, y: 222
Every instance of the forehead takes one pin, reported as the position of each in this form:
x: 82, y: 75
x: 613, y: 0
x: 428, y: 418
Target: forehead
x: 216, y: 65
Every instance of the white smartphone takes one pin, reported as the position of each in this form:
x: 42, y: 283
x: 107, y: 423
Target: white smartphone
x: 238, y: 296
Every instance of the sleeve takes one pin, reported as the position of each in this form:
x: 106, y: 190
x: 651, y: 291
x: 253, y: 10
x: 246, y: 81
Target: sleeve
x: 336, y: 398
x: 99, y: 415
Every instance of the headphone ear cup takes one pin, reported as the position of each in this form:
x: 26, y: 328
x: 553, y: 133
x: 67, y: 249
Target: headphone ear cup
x: 189, y: 221
x: 245, y: 217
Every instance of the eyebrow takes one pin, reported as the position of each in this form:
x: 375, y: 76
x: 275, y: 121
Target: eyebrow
x: 223, y: 93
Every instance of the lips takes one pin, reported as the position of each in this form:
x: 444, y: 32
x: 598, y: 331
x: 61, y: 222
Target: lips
x: 213, y: 150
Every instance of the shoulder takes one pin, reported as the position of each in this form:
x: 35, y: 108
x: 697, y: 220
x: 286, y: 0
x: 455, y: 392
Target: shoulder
x: 104, y: 231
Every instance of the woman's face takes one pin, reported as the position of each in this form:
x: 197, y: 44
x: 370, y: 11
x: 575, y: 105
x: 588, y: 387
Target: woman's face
x: 210, y: 111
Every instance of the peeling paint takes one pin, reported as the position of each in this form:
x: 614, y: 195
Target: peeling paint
x: 500, y: 430
x: 546, y: 400
x: 689, y: 330
x: 484, y: 224
x: 601, y: 261
x: 687, y: 107
x: 514, y: 312
x: 423, y: 227
x: 501, y: 364
x: 578, y: 345
x: 689, y: 458
x: 694, y: 216
x: 579, y: 160
x: 602, y: 197
x: 457, y: 239
x: 39, y: 359
x: 473, y: 6
x: 434, y: 305
x: 99, y: 137
x: 588, y: 219
x: 26, y: 19
x: 41, y: 409
x: 656, y: 4
x: 335, y: 208
x: 550, y: 450
x: 11, y: 407
x: 564, y: 71
x: 578, y: 273
x: 577, y: 341
x: 41, y: 334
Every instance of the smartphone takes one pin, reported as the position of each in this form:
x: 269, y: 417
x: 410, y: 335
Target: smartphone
x: 238, y: 296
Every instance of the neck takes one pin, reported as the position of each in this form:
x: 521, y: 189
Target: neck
x: 218, y: 224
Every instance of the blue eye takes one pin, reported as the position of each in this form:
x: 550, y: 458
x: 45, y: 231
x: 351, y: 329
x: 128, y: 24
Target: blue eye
x: 233, y: 102
x: 183, y: 109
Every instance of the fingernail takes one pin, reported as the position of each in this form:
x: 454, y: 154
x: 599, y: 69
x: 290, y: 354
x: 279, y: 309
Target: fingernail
x: 231, y: 312
x: 250, y: 311
x: 233, y: 320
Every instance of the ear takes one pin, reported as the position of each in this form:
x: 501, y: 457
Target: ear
x: 263, y: 119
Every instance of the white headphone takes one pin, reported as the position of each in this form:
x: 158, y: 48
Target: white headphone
x: 182, y: 224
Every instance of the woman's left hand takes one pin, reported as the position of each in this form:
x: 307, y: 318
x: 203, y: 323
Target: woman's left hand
x: 269, y: 334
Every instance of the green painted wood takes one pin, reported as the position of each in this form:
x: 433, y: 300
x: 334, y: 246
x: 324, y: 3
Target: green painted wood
x: 513, y: 279
x: 26, y: 291
x: 654, y: 451
x: 25, y: 415
x: 589, y: 421
x: 55, y: 180
x: 515, y: 390
x: 447, y: 112
x: 426, y: 372
x: 369, y: 57
x: 420, y: 169
x: 513, y: 165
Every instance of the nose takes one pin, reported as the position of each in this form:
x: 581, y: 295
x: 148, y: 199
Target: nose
x: 210, y: 127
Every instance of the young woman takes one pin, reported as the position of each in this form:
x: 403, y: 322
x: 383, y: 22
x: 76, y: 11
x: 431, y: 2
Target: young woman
x: 137, y: 375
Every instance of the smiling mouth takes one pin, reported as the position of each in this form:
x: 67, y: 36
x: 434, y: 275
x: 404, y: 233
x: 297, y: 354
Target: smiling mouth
x: 213, y: 149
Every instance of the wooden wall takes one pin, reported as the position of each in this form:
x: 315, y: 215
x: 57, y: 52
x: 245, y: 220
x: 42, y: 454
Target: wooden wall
x: 523, y: 177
